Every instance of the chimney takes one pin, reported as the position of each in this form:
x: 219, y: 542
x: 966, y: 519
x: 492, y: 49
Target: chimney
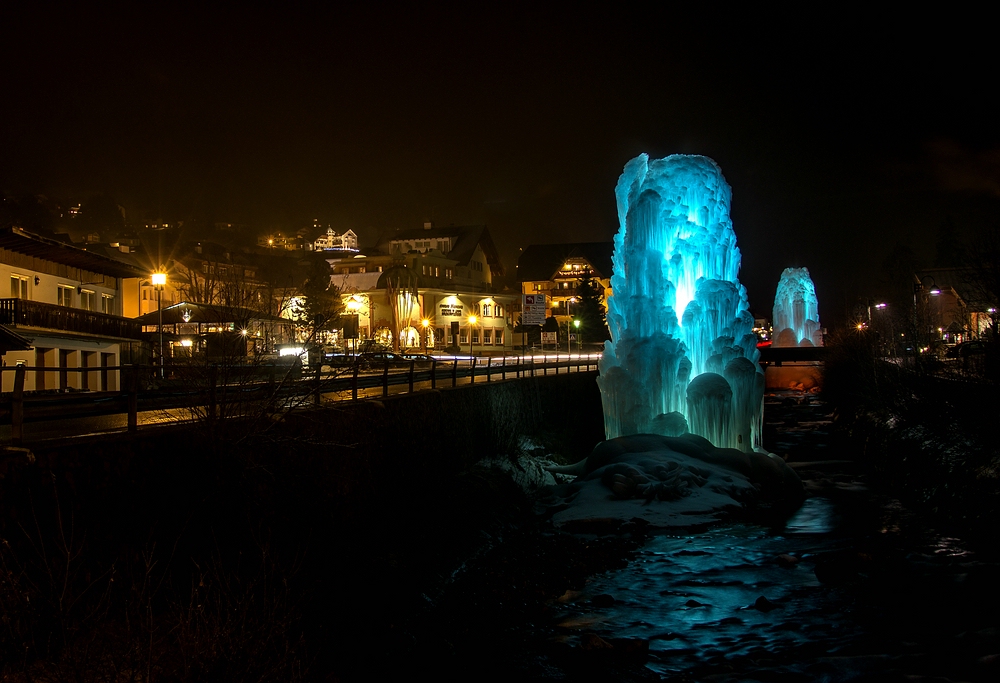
x: 428, y: 225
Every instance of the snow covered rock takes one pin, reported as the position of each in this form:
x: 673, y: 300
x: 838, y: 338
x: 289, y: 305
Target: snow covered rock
x: 670, y: 482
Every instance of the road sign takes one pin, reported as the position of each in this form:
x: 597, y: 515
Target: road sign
x: 533, y: 309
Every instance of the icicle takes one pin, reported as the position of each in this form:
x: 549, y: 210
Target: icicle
x: 678, y: 311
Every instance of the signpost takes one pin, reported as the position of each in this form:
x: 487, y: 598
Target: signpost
x: 533, y: 309
x: 533, y: 312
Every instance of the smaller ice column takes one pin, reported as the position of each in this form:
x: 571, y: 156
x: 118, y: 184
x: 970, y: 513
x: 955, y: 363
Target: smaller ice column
x: 795, y: 318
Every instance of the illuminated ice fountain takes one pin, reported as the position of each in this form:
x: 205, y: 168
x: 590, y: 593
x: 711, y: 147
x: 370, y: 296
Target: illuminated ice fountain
x: 796, y: 310
x: 683, y: 356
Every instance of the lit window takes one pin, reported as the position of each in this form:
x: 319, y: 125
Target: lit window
x: 486, y: 310
x: 108, y: 304
x: 64, y: 295
x: 498, y: 311
x: 498, y: 339
x: 487, y: 335
x: 19, y: 286
x: 87, y: 300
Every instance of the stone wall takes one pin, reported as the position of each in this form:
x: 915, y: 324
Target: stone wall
x: 343, y: 454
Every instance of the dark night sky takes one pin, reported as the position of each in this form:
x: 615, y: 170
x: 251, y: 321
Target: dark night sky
x: 840, y: 134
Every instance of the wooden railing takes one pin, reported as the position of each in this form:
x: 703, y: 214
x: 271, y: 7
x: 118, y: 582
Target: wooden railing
x: 211, y: 387
x: 24, y: 313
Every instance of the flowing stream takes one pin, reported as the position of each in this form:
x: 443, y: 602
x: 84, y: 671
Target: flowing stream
x: 852, y: 585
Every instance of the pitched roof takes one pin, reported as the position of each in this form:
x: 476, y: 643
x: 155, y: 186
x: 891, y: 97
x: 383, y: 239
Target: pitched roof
x: 57, y: 251
x: 541, y: 261
x: 205, y: 313
x: 466, y: 239
x: 12, y: 341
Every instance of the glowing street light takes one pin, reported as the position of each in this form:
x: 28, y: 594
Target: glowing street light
x: 472, y: 322
x: 425, y: 323
x: 159, y: 280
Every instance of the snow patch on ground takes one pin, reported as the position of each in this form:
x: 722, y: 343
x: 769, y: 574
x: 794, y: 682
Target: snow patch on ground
x: 527, y: 471
x: 670, y: 482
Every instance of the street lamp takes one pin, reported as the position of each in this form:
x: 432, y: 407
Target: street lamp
x: 425, y: 323
x: 472, y: 322
x: 579, y: 340
x: 159, y: 280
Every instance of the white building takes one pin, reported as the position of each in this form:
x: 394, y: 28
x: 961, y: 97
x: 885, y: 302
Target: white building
x: 348, y: 241
x: 456, y: 303
x: 66, y: 302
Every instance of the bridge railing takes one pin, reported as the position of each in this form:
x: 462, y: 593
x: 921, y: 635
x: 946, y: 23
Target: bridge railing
x: 212, y: 389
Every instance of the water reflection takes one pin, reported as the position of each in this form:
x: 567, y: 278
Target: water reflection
x: 816, y: 516
x: 698, y: 597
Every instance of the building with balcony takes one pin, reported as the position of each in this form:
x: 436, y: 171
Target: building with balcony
x: 66, y: 302
x: 556, y: 271
x: 427, y: 288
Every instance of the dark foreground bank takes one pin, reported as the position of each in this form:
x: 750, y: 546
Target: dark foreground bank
x: 193, y: 559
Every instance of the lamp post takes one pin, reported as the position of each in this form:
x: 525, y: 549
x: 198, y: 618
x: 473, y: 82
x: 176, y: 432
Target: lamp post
x: 159, y: 280
x: 425, y: 323
x: 579, y: 340
x: 472, y: 323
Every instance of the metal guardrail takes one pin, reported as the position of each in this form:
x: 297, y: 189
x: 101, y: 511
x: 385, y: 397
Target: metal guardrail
x: 212, y: 387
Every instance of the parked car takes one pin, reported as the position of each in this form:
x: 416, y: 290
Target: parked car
x: 966, y: 349
x: 376, y: 360
x: 420, y: 358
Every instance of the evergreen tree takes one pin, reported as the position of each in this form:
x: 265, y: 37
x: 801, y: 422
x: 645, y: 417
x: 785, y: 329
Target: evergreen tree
x: 590, y: 311
x: 321, y: 303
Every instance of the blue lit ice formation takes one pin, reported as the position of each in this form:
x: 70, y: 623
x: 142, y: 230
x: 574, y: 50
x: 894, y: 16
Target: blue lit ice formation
x: 683, y: 356
x: 795, y: 318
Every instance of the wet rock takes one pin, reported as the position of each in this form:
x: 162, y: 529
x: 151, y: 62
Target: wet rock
x: 694, y: 603
x: 602, y: 600
x: 591, y: 642
x: 787, y: 560
x: 762, y: 604
x: 568, y: 596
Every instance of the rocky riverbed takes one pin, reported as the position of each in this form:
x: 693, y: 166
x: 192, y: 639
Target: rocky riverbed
x: 852, y: 587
